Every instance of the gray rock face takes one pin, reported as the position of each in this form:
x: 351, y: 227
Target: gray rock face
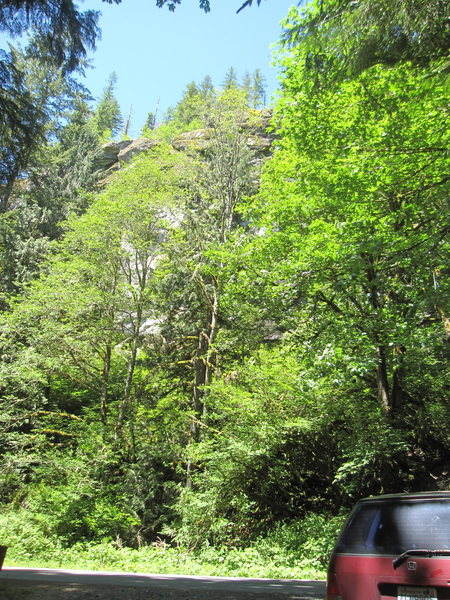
x: 113, y: 154
x: 135, y: 147
x: 262, y: 145
x: 253, y: 126
x: 109, y: 153
x: 198, y: 139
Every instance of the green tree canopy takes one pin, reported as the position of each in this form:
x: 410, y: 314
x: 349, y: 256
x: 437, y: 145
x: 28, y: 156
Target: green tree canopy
x: 342, y: 37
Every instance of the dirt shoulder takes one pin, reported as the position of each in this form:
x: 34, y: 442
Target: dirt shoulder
x: 14, y: 590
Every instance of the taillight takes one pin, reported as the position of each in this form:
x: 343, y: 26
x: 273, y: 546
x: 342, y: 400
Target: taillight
x: 333, y: 588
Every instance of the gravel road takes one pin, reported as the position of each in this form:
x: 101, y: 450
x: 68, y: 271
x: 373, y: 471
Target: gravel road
x: 52, y: 584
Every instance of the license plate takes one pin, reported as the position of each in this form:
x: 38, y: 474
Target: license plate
x: 416, y: 593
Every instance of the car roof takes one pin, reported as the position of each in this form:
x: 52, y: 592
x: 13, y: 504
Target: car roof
x: 436, y: 495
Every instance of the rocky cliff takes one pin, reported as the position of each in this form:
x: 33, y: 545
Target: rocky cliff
x: 113, y: 154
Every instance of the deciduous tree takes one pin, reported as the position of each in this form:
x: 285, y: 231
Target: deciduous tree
x: 342, y: 38
x: 357, y: 232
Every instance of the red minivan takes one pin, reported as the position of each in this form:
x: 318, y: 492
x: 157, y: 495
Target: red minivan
x: 395, y: 546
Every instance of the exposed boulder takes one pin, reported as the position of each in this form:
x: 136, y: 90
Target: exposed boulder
x: 198, y: 139
x: 136, y: 147
x: 262, y: 145
x: 254, y: 126
x: 109, y: 153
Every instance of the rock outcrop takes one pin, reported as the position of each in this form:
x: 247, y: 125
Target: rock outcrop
x: 109, y: 154
x: 134, y: 148
x: 198, y: 139
x: 114, y: 154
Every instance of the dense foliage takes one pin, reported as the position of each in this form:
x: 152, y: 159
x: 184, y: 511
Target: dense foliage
x: 346, y: 37
x: 218, y: 351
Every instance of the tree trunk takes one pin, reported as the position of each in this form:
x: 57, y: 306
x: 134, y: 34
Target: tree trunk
x: 123, y: 407
x: 382, y: 374
x: 105, y: 384
x: 204, y: 364
x: 382, y: 381
x: 397, y: 379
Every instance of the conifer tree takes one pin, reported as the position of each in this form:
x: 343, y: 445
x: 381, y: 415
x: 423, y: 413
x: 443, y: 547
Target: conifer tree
x: 65, y: 33
x: 258, y: 90
x: 247, y: 87
x: 43, y: 175
x: 206, y: 87
x: 231, y: 80
x: 150, y: 123
x: 107, y: 118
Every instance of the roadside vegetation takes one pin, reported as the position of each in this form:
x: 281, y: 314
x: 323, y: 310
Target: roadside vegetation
x: 298, y: 551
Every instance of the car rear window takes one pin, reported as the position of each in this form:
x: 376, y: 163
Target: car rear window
x: 392, y: 527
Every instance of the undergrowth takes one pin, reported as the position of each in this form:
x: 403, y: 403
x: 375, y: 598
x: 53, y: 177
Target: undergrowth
x: 298, y: 550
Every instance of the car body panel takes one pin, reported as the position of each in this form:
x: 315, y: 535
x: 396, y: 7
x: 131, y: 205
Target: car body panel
x: 374, y: 578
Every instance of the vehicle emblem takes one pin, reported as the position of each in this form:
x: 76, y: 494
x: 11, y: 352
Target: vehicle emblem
x: 412, y: 565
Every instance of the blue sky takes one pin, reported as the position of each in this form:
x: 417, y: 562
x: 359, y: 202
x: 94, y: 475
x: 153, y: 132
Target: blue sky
x: 157, y: 53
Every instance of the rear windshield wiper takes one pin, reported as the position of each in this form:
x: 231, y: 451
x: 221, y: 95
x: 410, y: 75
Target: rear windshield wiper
x: 419, y: 552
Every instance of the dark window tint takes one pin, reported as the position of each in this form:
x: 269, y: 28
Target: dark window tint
x: 393, y: 527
